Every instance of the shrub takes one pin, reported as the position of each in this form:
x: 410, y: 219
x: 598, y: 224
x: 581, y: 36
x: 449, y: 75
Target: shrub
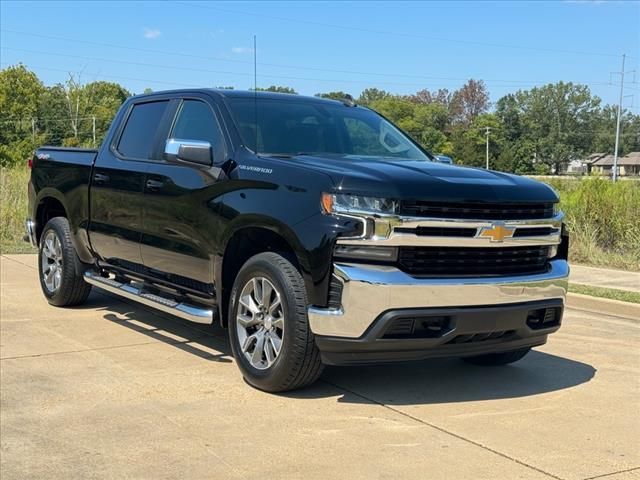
x: 603, y: 219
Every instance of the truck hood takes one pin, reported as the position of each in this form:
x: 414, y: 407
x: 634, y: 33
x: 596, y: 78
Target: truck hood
x: 404, y: 179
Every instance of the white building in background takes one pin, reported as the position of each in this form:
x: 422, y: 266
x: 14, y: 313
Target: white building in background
x: 628, y: 165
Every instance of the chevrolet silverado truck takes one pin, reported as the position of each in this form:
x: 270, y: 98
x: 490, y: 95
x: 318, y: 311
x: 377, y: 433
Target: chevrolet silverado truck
x: 314, y: 230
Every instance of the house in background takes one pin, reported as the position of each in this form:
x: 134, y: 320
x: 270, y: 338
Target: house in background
x: 583, y: 166
x: 627, y: 165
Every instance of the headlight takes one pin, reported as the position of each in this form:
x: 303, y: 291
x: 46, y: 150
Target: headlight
x: 556, y: 209
x: 341, y: 203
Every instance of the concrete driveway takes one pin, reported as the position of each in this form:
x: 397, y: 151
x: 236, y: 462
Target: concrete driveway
x: 111, y: 390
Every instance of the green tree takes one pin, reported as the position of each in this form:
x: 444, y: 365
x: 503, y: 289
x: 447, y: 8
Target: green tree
x: 20, y: 92
x: 338, y: 95
x: 53, y: 115
x: 370, y: 95
x: 559, y: 119
x: 425, y: 123
x: 604, y: 127
x: 105, y: 99
x: 470, y: 142
x: 277, y: 89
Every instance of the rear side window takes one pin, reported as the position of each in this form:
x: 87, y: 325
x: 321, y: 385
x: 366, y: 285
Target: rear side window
x: 138, y: 136
x: 196, y: 121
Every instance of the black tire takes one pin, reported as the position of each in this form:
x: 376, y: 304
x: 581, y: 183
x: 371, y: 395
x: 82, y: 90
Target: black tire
x: 72, y: 289
x: 298, y: 362
x: 495, y: 359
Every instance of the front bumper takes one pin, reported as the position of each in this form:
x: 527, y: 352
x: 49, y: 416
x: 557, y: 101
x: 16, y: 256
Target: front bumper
x: 373, y: 294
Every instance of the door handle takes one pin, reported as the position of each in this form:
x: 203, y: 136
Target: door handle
x: 154, y: 185
x: 100, y: 178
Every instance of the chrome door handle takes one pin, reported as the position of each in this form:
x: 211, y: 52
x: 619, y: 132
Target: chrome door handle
x: 100, y: 178
x: 154, y: 185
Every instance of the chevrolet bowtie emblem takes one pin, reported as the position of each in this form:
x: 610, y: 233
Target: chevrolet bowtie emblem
x: 497, y: 232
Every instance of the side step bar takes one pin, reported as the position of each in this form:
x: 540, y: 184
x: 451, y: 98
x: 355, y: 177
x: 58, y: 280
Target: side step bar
x: 131, y: 292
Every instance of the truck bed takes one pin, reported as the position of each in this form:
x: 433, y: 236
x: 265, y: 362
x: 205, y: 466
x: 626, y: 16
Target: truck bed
x: 63, y: 173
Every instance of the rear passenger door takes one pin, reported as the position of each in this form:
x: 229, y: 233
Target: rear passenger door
x: 181, y: 207
x: 117, y: 184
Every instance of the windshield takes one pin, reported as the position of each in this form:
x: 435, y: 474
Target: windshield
x: 294, y: 127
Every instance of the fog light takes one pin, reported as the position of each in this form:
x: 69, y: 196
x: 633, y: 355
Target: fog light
x: 553, y: 251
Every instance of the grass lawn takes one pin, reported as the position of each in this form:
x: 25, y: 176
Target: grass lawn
x: 610, y: 293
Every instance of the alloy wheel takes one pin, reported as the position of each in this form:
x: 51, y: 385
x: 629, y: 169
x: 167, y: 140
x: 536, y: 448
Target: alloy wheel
x: 260, y: 322
x: 51, y: 261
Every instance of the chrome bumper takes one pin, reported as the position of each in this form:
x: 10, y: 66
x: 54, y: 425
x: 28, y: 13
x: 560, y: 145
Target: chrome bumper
x: 30, y: 228
x: 369, y: 290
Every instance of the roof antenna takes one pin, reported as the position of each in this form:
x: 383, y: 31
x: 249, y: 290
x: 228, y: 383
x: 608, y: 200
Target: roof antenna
x: 255, y: 91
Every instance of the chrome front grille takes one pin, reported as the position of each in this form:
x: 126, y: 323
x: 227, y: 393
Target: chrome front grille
x: 484, y: 241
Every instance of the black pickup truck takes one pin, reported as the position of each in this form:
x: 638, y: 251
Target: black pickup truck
x: 314, y: 230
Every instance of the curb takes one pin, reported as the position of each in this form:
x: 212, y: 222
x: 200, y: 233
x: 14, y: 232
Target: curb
x: 604, y: 305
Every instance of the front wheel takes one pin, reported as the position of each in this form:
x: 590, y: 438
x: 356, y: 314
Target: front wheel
x: 494, y: 359
x: 59, y: 267
x: 268, y: 326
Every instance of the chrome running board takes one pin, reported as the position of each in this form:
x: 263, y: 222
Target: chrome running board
x: 135, y: 293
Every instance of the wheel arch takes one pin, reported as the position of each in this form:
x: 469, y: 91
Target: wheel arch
x: 247, y: 239
x: 48, y: 206
x: 51, y: 203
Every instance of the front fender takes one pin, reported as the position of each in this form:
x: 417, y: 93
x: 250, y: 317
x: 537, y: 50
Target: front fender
x: 311, y: 248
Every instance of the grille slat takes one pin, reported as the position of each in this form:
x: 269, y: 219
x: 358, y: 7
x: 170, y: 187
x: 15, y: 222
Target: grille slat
x: 438, y: 231
x: 464, y: 261
x: 476, y: 211
x: 535, y: 231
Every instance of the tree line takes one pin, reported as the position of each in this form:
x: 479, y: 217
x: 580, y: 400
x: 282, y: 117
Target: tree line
x: 539, y: 130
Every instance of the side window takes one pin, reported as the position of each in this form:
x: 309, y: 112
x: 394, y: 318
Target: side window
x: 196, y: 121
x: 137, y: 139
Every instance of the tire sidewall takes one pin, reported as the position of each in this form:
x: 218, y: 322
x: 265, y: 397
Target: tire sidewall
x: 72, y: 289
x: 279, y: 371
x: 52, y: 226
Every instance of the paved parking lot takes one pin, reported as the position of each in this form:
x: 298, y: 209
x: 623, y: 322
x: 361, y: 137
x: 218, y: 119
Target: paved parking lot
x: 112, y: 390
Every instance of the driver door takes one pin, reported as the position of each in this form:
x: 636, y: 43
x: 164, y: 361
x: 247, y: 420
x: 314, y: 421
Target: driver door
x: 180, y: 215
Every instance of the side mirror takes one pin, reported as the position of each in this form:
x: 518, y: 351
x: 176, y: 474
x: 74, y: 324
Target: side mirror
x: 192, y: 151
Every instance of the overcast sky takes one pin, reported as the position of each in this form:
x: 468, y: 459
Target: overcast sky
x: 325, y: 46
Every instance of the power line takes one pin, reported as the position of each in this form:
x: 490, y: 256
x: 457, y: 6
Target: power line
x: 514, y: 83
x: 297, y: 67
x: 115, y: 76
x: 400, y: 34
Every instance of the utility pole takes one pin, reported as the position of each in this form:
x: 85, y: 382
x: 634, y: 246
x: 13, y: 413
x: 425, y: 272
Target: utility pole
x: 94, y: 130
x: 619, y: 117
x: 487, y: 153
x: 615, y: 152
x: 33, y: 129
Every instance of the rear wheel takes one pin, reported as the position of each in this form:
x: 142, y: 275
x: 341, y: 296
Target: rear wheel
x: 502, y: 358
x: 268, y: 326
x: 59, y: 267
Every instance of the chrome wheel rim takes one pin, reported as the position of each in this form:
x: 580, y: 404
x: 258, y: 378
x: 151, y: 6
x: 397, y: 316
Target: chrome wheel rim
x: 51, y: 262
x: 260, y: 323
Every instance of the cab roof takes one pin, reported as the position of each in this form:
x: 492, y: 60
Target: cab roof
x: 228, y: 93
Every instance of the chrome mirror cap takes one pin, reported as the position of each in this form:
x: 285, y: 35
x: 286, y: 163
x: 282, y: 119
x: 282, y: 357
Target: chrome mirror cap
x: 192, y: 151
